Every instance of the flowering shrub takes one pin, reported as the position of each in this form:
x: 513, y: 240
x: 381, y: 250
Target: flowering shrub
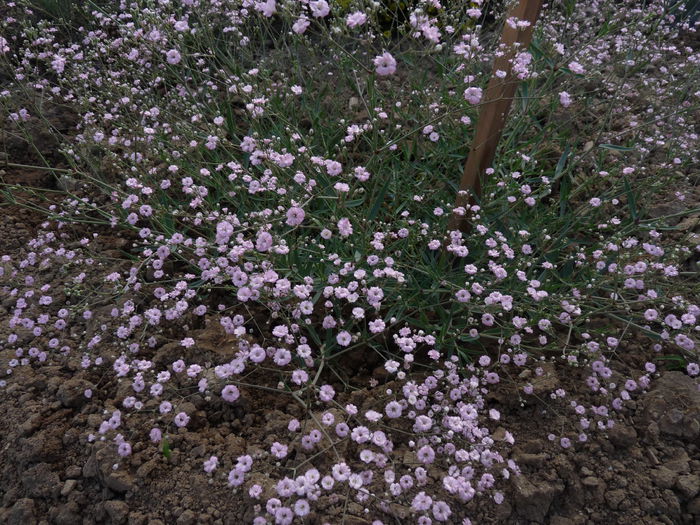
x: 283, y: 172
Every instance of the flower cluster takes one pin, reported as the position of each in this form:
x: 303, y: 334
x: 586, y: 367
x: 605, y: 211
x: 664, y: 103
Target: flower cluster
x: 296, y: 206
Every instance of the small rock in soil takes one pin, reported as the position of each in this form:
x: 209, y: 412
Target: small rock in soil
x: 674, y: 403
x: 694, y: 507
x: 688, y: 485
x: 31, y: 425
x: 137, y: 518
x: 533, y: 501
x: 186, y: 518
x: 614, y: 498
x: 67, y: 514
x: 22, y: 512
x: 530, y: 460
x: 74, y: 472
x: 680, y: 462
x: 117, y: 480
x: 71, y: 393
x: 41, y: 482
x: 40, y: 448
x: 118, y: 511
x: 623, y: 436
x: 560, y: 520
x: 596, y: 486
x: 664, y: 477
x: 68, y: 487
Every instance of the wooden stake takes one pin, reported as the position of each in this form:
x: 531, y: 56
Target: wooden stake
x: 495, y: 108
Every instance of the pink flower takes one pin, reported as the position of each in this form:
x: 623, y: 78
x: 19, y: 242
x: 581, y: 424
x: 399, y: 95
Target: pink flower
x: 299, y: 377
x: 377, y: 326
x: 341, y: 471
x: 422, y: 424
x: 326, y: 393
x: 375, y: 294
x: 244, y: 463
x: 301, y: 25
x: 181, y: 420
x: 333, y: 167
x: 282, y: 357
x: 301, y: 508
x: 124, y: 449
x: 463, y: 296
x: 255, y: 491
x: 267, y: 8
x: 385, y: 64
x: 230, y: 393
x: 686, y: 343
x: 236, y: 478
x: 319, y: 8
x: 442, y: 511
x: 345, y: 227
x: 564, y: 99
x: 421, y: 502
x: 280, y: 331
x: 181, y: 25
x: 577, y: 68
x: 356, y: 19
x: 361, y: 174
x: 263, y: 242
x: 278, y: 450
x: 344, y: 338
x: 651, y: 314
x: 211, y: 464
x: 393, y: 409
x: 426, y: 454
x: 173, y: 56
x: 473, y: 95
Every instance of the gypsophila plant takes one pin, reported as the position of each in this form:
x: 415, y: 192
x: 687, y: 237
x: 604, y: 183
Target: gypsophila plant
x: 281, y: 173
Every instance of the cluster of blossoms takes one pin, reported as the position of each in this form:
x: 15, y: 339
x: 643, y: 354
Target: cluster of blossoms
x: 427, y: 440
x: 306, y: 236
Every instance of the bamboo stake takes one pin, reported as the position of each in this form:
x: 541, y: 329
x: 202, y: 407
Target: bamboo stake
x: 495, y: 108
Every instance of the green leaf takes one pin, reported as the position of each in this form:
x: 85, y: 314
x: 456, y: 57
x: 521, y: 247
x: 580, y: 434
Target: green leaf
x: 673, y: 362
x: 314, y: 335
x: 562, y: 162
x: 538, y: 52
x: 355, y: 203
x: 197, y: 284
x: 374, y: 210
x: 564, y: 191
x: 616, y: 148
x: 166, y: 449
x: 631, y: 200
